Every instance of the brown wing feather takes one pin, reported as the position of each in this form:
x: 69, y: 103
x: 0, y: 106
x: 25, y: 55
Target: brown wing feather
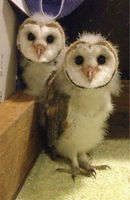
x: 56, y: 114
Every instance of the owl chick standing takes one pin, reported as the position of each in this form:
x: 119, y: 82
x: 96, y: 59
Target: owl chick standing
x: 79, y: 101
x: 41, y: 42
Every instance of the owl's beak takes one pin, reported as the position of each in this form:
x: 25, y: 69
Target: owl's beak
x: 90, y: 72
x: 39, y: 49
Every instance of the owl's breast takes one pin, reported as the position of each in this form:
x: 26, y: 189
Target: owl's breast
x: 35, y: 76
x: 85, y: 111
x: 86, y: 119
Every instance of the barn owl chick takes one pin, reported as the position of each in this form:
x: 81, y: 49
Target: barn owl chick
x: 41, y: 42
x: 79, y: 101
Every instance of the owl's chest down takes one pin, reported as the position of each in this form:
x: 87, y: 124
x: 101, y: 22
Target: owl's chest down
x: 86, y: 121
x: 35, y: 76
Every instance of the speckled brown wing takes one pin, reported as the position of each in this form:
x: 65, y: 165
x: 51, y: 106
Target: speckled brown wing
x: 56, y: 114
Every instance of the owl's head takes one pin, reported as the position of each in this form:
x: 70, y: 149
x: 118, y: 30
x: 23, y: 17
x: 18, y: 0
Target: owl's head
x: 91, y: 61
x: 40, y: 39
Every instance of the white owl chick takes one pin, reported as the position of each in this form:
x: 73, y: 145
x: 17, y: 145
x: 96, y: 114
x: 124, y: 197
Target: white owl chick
x: 41, y: 42
x: 79, y: 101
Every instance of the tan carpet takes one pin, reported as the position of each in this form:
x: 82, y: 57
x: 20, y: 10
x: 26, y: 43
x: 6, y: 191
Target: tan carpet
x: 44, y: 183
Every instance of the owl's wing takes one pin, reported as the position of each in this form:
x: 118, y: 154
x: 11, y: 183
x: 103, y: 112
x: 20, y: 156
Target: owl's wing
x: 115, y: 85
x: 56, y: 114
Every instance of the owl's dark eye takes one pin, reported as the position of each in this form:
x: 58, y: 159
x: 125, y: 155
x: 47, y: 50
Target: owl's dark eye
x: 31, y: 37
x: 101, y: 59
x: 50, y: 39
x: 79, y: 60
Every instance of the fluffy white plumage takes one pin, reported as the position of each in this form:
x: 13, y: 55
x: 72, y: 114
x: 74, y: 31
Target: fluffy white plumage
x: 90, y: 92
x: 41, y: 42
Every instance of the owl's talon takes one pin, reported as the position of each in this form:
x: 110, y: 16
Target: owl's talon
x: 73, y: 177
x: 77, y: 171
x: 93, y: 172
x: 108, y: 167
x: 101, y: 167
x: 93, y: 175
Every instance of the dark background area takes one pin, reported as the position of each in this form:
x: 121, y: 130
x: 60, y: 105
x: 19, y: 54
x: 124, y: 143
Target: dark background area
x: 108, y: 17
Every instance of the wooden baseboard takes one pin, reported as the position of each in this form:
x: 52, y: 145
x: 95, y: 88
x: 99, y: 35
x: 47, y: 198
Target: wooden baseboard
x: 19, y: 142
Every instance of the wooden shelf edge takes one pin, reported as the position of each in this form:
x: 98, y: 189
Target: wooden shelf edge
x: 19, y: 142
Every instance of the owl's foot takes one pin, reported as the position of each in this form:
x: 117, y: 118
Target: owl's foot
x: 84, y: 164
x: 101, y: 167
x: 78, y: 171
x: 94, y: 167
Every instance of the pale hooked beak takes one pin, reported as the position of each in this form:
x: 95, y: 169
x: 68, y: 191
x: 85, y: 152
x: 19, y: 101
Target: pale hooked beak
x: 90, y: 72
x: 39, y: 49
